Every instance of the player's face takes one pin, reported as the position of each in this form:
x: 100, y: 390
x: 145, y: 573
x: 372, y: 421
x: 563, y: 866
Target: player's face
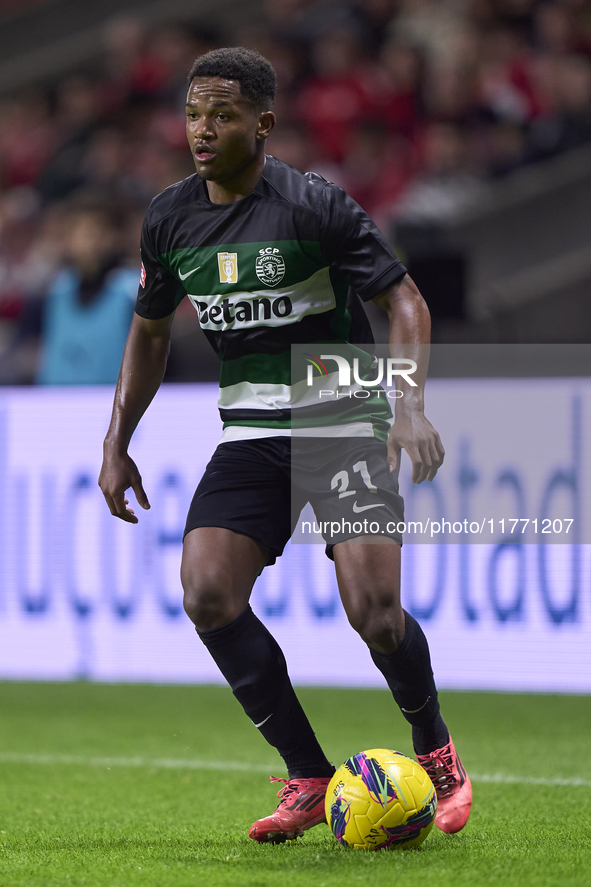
x: 226, y: 132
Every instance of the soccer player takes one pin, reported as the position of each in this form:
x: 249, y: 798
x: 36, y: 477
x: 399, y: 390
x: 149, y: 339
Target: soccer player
x: 247, y: 223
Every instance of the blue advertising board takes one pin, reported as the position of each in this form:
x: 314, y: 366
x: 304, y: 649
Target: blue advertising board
x: 85, y: 595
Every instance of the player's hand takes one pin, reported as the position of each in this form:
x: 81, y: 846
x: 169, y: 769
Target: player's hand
x: 118, y: 474
x: 413, y: 432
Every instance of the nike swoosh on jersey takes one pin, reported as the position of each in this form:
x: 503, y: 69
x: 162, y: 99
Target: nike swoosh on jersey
x: 184, y: 276
x: 359, y: 508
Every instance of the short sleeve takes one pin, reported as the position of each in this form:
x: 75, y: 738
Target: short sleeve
x: 353, y: 244
x: 159, y: 291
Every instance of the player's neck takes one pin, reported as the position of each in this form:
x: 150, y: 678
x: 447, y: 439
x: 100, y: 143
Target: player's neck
x: 239, y: 186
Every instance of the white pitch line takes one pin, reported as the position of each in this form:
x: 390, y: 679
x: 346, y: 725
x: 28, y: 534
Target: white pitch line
x: 242, y: 766
x: 506, y: 779
x: 153, y: 763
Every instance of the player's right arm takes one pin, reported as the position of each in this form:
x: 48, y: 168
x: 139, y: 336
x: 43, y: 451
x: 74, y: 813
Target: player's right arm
x: 142, y: 371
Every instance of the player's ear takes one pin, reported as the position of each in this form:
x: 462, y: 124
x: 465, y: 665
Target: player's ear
x: 266, y: 124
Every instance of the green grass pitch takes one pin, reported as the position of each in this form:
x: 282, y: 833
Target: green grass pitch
x: 119, y: 785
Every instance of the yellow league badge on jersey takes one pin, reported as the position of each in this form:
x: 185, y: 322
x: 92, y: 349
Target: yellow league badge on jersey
x: 228, y: 265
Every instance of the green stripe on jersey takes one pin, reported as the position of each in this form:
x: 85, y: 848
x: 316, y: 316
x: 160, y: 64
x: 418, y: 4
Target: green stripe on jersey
x: 287, y: 367
x: 244, y: 267
x: 254, y: 367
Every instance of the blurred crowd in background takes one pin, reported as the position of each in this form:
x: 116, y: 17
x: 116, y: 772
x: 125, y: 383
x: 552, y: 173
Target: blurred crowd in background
x: 411, y: 105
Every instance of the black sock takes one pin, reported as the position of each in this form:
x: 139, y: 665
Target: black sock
x: 252, y: 662
x: 409, y: 676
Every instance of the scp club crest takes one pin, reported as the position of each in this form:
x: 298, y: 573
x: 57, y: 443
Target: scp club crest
x: 270, y: 266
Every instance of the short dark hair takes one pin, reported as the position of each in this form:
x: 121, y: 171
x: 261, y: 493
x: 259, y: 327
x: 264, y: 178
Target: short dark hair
x: 252, y: 70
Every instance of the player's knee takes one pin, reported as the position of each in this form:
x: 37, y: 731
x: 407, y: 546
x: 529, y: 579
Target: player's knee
x: 206, y: 601
x: 357, y: 616
x: 379, y: 622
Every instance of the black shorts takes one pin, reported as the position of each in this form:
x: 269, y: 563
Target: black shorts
x: 259, y: 487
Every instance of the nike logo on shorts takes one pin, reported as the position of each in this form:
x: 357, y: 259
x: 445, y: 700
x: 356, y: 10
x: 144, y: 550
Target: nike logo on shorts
x: 359, y: 508
x: 184, y: 276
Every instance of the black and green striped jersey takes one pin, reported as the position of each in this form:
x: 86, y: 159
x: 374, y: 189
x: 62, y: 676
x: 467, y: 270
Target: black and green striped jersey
x: 264, y: 273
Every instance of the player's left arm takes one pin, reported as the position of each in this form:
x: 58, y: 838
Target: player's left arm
x: 410, y: 336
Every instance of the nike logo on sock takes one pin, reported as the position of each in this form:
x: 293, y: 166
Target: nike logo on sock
x: 413, y: 711
x: 265, y: 721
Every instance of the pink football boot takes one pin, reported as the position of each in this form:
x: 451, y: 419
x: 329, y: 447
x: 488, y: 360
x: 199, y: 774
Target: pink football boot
x: 301, y: 806
x: 452, y: 785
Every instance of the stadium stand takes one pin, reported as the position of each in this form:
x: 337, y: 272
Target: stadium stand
x: 443, y: 119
